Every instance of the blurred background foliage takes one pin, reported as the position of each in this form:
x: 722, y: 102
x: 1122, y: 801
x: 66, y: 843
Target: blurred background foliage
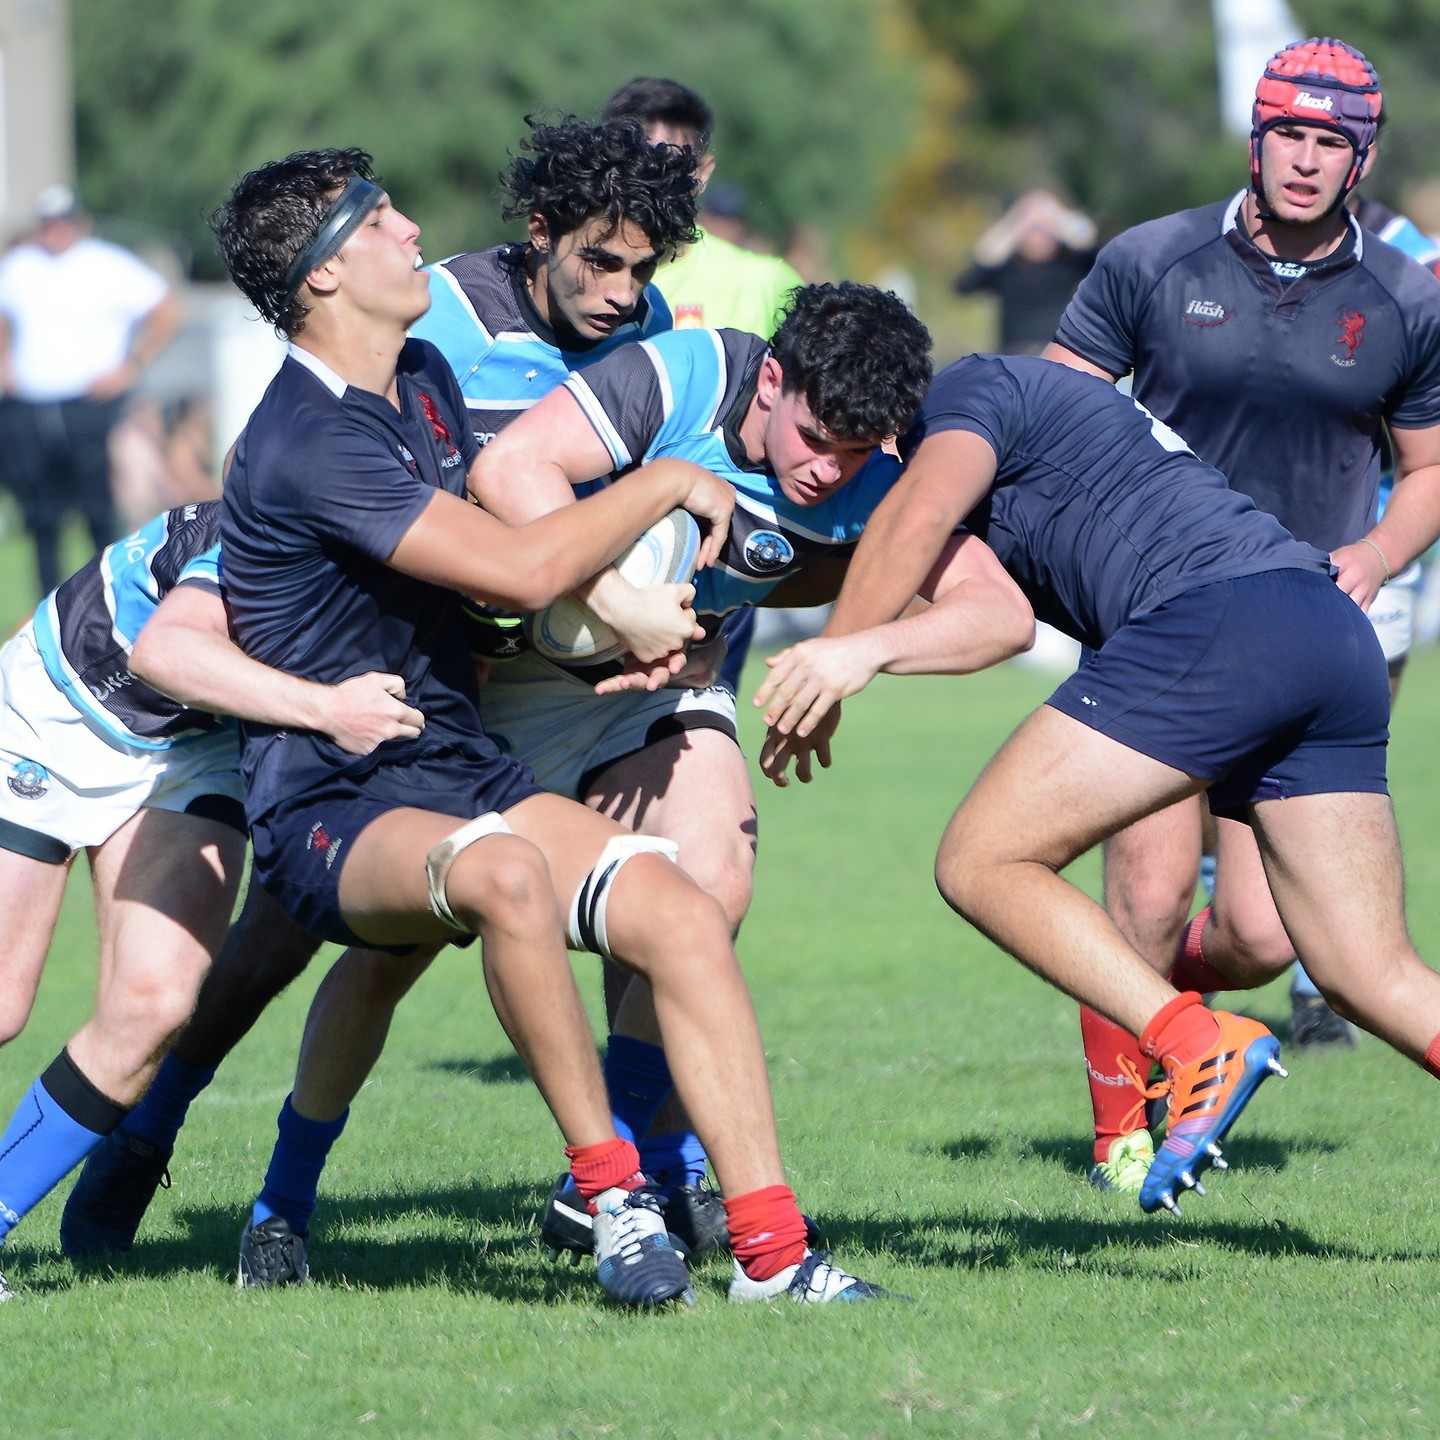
x: 875, y: 138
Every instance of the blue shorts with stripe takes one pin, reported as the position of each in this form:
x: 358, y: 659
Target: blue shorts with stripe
x: 300, y: 844
x: 1267, y: 686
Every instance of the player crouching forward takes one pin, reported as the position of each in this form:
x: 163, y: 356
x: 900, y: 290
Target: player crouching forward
x: 345, y: 534
x: 1227, y: 660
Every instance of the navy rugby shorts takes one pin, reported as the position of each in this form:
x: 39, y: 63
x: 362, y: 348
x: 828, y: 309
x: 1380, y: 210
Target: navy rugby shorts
x: 299, y: 844
x: 1268, y: 686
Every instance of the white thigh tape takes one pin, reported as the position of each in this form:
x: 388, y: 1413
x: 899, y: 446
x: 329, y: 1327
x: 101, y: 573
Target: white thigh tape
x: 442, y: 857
x: 587, y: 929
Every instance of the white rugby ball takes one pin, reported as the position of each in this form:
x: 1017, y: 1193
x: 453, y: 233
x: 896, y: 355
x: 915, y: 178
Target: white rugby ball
x: 569, y: 634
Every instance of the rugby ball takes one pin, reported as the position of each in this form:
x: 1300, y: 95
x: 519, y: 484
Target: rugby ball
x: 568, y: 634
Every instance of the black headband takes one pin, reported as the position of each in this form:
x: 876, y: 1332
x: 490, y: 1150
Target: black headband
x: 352, y: 205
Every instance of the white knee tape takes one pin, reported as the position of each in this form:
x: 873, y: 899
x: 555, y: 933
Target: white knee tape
x: 442, y: 857
x: 587, y: 929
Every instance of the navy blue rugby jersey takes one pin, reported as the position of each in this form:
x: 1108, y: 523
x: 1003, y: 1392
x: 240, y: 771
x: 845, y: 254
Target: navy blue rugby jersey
x: 86, y: 628
x: 1282, y: 386
x: 327, y: 479
x: 1098, y: 510
x: 505, y: 357
x: 685, y: 394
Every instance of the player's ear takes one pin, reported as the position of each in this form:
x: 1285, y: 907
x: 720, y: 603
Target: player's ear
x: 768, y: 382
x: 703, y: 171
x: 539, y: 229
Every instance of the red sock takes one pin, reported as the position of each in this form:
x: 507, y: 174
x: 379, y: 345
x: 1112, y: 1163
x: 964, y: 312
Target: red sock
x: 609, y: 1165
x: 1432, y: 1058
x: 767, y: 1230
x: 1182, y: 1030
x: 1192, y: 971
x: 1112, y: 1095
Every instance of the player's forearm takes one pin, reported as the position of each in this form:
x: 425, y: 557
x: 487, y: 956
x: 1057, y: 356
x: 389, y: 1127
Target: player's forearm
x: 958, y: 635
x: 1411, y: 523
x: 207, y: 671
x: 895, y: 554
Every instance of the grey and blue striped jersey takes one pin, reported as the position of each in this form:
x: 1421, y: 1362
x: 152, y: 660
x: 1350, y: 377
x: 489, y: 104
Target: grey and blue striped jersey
x: 85, y: 629
x: 684, y: 394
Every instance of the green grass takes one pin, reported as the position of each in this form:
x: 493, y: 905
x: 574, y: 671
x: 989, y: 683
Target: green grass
x: 933, y: 1111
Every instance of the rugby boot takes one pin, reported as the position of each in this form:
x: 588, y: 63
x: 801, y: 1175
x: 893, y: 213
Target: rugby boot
x: 1126, y: 1165
x: 271, y: 1254
x: 634, y: 1258
x: 1206, y: 1098
x: 814, y: 1281
x: 112, y: 1194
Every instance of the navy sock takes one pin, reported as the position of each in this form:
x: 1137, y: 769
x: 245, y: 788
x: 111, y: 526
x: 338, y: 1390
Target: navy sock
x: 295, y: 1165
x: 161, y: 1111
x: 62, y: 1118
x: 674, y: 1159
x: 637, y: 1080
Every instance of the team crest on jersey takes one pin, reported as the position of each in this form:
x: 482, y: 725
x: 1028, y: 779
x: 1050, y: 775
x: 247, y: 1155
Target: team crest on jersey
x: 767, y: 551
x: 1352, y: 333
x: 319, y: 841
x: 1205, y: 313
x: 28, y: 779
x: 441, y: 431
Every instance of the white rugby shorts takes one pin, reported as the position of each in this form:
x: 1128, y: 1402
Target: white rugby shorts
x: 65, y: 780
x: 566, y: 733
x: 1392, y: 613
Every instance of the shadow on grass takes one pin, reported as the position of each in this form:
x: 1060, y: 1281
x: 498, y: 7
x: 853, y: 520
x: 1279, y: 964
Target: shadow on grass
x: 497, y: 1070
x: 481, y: 1240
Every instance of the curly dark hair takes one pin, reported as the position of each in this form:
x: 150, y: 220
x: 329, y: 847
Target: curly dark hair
x: 572, y: 173
x: 653, y: 101
x: 857, y: 354
x: 271, y: 215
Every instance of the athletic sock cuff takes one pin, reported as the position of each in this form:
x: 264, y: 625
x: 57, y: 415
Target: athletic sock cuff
x: 67, y: 1085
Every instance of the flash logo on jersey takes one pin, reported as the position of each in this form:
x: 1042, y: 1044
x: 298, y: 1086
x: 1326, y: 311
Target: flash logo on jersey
x: 767, y: 551
x: 1205, y: 312
x: 28, y: 779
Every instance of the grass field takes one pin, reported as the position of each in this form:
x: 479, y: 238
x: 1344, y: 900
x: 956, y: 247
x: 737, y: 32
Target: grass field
x: 933, y: 1111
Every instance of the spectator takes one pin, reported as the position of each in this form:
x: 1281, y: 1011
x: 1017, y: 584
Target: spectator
x: 80, y: 320
x: 1032, y: 258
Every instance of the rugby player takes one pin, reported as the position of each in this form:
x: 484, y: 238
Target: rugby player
x: 345, y: 534
x: 1282, y: 341
x: 601, y: 209
x: 97, y: 760
x: 1226, y: 658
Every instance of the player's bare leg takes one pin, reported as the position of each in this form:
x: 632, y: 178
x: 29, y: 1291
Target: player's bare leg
x: 1336, y: 873
x: 1055, y: 790
x: 33, y: 890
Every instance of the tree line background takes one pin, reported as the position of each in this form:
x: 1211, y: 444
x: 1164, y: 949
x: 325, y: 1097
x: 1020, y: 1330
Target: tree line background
x: 879, y: 133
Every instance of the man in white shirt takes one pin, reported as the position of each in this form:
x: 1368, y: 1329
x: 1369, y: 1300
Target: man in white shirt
x: 80, y: 320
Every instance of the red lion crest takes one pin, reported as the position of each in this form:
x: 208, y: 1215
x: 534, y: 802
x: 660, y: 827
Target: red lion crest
x: 1352, y: 332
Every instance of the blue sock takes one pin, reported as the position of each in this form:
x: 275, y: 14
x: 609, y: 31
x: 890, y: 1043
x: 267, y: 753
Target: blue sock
x: 62, y: 1118
x: 638, y: 1081
x: 1207, y: 877
x: 674, y: 1159
x: 295, y: 1165
x: 1301, y: 983
x: 161, y: 1111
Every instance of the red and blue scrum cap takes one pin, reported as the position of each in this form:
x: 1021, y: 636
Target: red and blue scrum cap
x: 1318, y: 82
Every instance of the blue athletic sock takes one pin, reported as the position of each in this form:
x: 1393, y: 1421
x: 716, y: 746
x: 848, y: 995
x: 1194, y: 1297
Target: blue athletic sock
x: 161, y: 1111
x: 638, y: 1081
x: 294, y: 1174
x: 62, y: 1118
x: 674, y: 1159
x: 1207, y: 877
x: 1301, y: 983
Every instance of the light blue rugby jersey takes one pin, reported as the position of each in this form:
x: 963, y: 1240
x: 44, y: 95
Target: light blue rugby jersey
x: 504, y: 355
x: 684, y: 394
x: 85, y: 629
